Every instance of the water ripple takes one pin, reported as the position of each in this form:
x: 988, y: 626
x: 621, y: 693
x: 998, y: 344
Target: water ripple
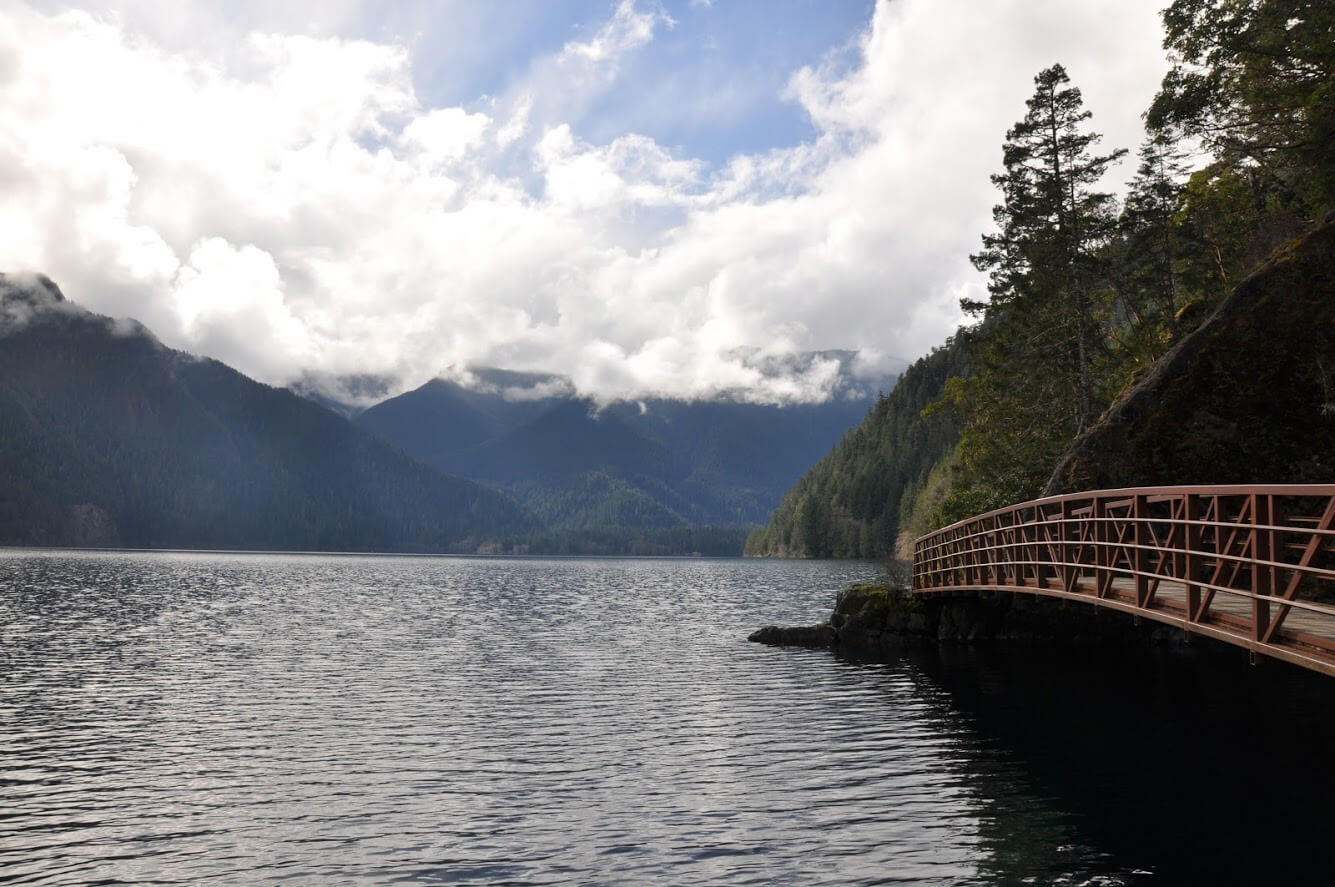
x: 182, y: 718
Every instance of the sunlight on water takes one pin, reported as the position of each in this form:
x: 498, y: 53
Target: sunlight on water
x: 249, y: 718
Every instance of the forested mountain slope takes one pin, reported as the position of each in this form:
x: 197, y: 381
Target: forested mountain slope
x: 855, y: 500
x: 109, y: 438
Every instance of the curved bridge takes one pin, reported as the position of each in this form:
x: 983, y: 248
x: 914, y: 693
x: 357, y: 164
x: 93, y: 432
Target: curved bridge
x: 1250, y: 565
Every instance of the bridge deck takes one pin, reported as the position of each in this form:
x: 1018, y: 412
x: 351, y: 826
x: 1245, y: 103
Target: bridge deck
x: 1251, y: 566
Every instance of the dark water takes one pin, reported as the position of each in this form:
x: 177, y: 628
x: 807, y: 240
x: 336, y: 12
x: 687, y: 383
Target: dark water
x: 183, y: 718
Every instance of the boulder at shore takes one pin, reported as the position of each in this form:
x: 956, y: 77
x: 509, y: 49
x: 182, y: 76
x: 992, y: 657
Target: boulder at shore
x: 866, y: 615
x: 873, y: 621
x: 795, y: 636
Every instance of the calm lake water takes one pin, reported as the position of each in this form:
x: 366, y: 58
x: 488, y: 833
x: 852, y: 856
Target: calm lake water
x: 251, y: 718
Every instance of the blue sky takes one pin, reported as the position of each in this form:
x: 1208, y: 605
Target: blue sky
x: 710, y: 85
x: 653, y: 198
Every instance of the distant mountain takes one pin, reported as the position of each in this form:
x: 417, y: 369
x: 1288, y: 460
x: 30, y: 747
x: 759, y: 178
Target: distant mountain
x: 109, y: 438
x: 441, y: 419
x: 654, y: 463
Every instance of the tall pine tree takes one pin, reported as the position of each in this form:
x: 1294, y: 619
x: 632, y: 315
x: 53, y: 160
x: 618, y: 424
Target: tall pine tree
x: 1039, y: 341
x: 1043, y: 258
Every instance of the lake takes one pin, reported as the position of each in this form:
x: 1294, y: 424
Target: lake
x: 256, y: 718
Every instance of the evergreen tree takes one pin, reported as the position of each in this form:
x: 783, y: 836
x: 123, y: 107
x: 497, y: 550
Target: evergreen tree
x: 1043, y: 258
x: 1148, y: 253
x: 1039, y: 345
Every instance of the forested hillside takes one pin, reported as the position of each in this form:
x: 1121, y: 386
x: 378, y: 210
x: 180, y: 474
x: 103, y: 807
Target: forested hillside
x: 108, y: 438
x: 856, y: 499
x: 1090, y: 294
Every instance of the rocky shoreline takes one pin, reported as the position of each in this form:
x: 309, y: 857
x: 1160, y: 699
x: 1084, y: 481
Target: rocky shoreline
x: 877, y: 621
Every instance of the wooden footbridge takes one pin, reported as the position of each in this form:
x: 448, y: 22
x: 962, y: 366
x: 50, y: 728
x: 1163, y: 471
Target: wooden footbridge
x: 1253, y: 566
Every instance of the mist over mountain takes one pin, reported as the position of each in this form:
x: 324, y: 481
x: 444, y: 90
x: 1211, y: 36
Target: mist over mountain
x: 109, y: 438
x: 345, y: 395
x: 644, y: 463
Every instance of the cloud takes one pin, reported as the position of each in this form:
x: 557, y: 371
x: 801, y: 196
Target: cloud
x: 230, y: 300
x: 288, y: 204
x: 444, y: 135
x: 627, y: 30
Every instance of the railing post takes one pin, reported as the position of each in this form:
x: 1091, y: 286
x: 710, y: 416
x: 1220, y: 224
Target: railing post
x: 1261, y: 545
x: 994, y: 551
x: 1012, y: 555
x: 913, y: 570
x: 959, y: 564
x: 1140, y: 560
x: 1102, y: 552
x: 1057, y: 552
x: 1040, y: 561
x: 1191, y: 557
x: 1064, y: 545
x: 980, y: 554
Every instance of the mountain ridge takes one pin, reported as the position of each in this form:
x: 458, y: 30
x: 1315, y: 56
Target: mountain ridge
x: 721, y: 462
x: 109, y: 437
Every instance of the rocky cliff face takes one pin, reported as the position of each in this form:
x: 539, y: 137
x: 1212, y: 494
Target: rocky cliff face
x: 1249, y: 397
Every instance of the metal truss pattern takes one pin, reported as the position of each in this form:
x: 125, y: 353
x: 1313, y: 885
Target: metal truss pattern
x: 1250, y: 565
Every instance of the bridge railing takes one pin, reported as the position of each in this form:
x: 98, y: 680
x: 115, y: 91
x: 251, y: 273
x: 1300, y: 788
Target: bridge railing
x: 1251, y: 565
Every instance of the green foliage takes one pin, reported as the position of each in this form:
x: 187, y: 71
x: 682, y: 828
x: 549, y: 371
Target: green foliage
x: 1183, y: 243
x: 1254, y: 81
x: 1042, y: 262
x: 1085, y: 300
x: 596, y: 500
x: 1017, y: 426
x: 923, y: 510
x: 1145, y: 257
x: 1235, y: 215
x: 1039, y: 348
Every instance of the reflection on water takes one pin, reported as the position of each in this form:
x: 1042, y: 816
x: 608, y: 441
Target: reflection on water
x: 1196, y: 769
x: 254, y: 718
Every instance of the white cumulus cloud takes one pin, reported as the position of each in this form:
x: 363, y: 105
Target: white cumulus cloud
x: 287, y: 203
